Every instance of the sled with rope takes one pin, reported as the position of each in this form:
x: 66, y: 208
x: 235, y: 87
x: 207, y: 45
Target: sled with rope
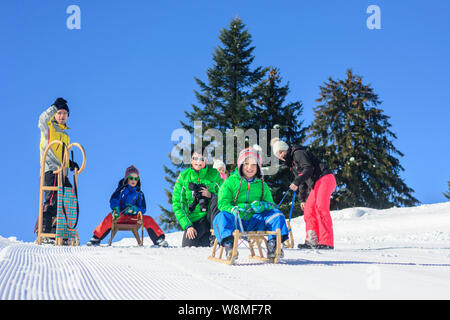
x: 132, y: 223
x: 254, y: 240
x: 67, y: 200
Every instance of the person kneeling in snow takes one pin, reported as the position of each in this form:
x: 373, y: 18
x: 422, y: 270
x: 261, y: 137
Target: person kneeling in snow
x: 127, y: 201
x: 245, y: 203
x: 193, y: 215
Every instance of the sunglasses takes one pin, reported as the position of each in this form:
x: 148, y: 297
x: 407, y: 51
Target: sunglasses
x: 198, y: 158
x: 133, y: 178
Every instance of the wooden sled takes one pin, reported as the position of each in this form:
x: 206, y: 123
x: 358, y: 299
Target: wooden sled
x: 132, y: 225
x: 254, y: 238
x: 289, y: 243
x: 60, y: 178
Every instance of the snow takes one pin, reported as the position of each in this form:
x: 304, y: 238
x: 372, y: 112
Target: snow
x: 398, y: 253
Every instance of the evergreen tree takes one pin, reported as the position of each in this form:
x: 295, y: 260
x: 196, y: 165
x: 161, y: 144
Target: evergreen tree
x: 272, y: 113
x: 238, y: 96
x: 353, y: 135
x: 225, y: 100
x: 447, y: 194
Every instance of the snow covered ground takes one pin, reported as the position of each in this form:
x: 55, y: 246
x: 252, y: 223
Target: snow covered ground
x: 399, y: 253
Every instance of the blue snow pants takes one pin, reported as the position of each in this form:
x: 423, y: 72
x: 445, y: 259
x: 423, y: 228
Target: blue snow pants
x: 225, y: 223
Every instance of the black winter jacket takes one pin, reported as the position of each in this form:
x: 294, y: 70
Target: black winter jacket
x: 306, y: 168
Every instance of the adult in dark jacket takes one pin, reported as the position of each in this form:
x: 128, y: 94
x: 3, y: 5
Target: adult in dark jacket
x: 127, y: 201
x: 315, y: 183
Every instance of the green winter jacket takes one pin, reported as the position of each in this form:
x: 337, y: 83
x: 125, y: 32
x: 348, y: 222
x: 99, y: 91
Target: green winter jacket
x: 249, y: 192
x: 182, y: 196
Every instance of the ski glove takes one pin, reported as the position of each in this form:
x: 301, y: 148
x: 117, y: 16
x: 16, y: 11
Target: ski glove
x: 131, y: 210
x: 241, y: 212
x: 261, y: 206
x: 116, y: 213
x: 236, y: 210
x: 73, y: 165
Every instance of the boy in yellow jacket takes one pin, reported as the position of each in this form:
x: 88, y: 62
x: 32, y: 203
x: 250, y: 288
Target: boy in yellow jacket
x: 52, y: 123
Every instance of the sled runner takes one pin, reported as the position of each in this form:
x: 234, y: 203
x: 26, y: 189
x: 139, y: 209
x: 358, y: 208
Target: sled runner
x: 67, y: 202
x: 289, y: 243
x: 254, y: 238
x: 132, y: 224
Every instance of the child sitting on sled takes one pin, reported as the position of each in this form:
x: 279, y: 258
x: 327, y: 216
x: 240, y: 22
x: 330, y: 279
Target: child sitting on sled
x: 127, y: 201
x: 245, y: 203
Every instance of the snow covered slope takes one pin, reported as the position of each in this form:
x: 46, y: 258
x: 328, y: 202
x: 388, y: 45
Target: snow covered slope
x: 399, y: 253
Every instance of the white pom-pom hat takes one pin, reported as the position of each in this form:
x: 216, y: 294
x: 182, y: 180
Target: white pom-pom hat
x: 218, y: 164
x: 278, y: 145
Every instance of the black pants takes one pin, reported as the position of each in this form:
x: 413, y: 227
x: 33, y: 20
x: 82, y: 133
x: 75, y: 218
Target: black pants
x: 203, y: 228
x: 50, y: 200
x: 213, y: 209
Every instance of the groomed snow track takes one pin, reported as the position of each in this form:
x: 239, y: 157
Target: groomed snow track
x: 399, y: 253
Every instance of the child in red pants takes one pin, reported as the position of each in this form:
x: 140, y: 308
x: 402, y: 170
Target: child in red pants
x: 126, y: 202
x: 313, y: 179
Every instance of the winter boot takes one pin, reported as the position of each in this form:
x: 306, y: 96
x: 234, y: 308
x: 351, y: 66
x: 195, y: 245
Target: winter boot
x: 324, y: 247
x: 94, y: 241
x: 311, y: 241
x: 306, y: 245
x: 312, y: 238
x: 162, y: 243
x: 228, y: 245
x: 46, y: 240
x: 272, y: 249
x: 212, y: 239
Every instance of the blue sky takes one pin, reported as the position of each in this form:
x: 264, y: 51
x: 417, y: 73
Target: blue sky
x: 128, y: 75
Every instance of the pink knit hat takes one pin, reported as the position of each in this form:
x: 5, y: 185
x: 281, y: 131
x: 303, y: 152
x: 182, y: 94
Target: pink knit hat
x: 250, y: 153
